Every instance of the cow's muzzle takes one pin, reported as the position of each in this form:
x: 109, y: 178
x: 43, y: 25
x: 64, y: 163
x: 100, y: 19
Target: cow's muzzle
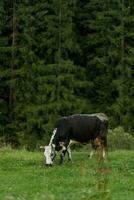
x: 49, y: 165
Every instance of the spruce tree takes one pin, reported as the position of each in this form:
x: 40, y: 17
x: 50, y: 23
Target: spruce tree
x: 95, y: 36
x: 8, y: 63
x: 124, y: 107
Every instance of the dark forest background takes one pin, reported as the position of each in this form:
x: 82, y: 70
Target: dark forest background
x: 60, y: 57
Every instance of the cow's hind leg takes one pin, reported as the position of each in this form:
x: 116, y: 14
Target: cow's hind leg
x: 101, y: 144
x: 104, y: 147
x: 103, y: 135
x: 94, y: 147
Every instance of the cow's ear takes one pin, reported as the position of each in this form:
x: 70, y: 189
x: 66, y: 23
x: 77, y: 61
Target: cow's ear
x: 42, y: 147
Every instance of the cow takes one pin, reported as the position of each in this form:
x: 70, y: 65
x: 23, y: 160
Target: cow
x: 81, y: 128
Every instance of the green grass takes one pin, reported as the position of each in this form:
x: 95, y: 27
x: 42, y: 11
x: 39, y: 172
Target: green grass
x: 24, y: 177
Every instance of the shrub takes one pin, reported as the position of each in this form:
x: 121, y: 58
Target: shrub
x: 118, y: 138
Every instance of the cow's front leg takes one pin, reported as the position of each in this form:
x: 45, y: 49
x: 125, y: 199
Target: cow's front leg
x: 65, y: 148
x: 69, y: 154
x: 62, y: 155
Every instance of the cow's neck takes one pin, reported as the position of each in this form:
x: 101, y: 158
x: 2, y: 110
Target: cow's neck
x: 53, y: 137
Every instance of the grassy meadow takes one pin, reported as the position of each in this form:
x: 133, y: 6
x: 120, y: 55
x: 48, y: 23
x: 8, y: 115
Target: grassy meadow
x: 23, y: 176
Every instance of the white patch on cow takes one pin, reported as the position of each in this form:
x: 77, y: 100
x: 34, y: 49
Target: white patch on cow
x: 63, y: 146
x: 101, y: 116
x: 73, y: 142
x: 53, y: 145
x: 51, y: 140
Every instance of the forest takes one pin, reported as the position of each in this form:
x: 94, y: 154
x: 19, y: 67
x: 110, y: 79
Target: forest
x: 62, y: 57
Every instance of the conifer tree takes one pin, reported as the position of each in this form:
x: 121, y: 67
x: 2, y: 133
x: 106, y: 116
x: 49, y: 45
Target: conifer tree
x: 7, y: 61
x: 124, y: 105
x: 3, y: 60
x: 95, y: 21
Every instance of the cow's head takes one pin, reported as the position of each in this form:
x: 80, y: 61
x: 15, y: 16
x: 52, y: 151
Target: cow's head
x: 49, y: 153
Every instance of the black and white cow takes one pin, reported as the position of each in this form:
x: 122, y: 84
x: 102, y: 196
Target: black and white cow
x: 82, y: 128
